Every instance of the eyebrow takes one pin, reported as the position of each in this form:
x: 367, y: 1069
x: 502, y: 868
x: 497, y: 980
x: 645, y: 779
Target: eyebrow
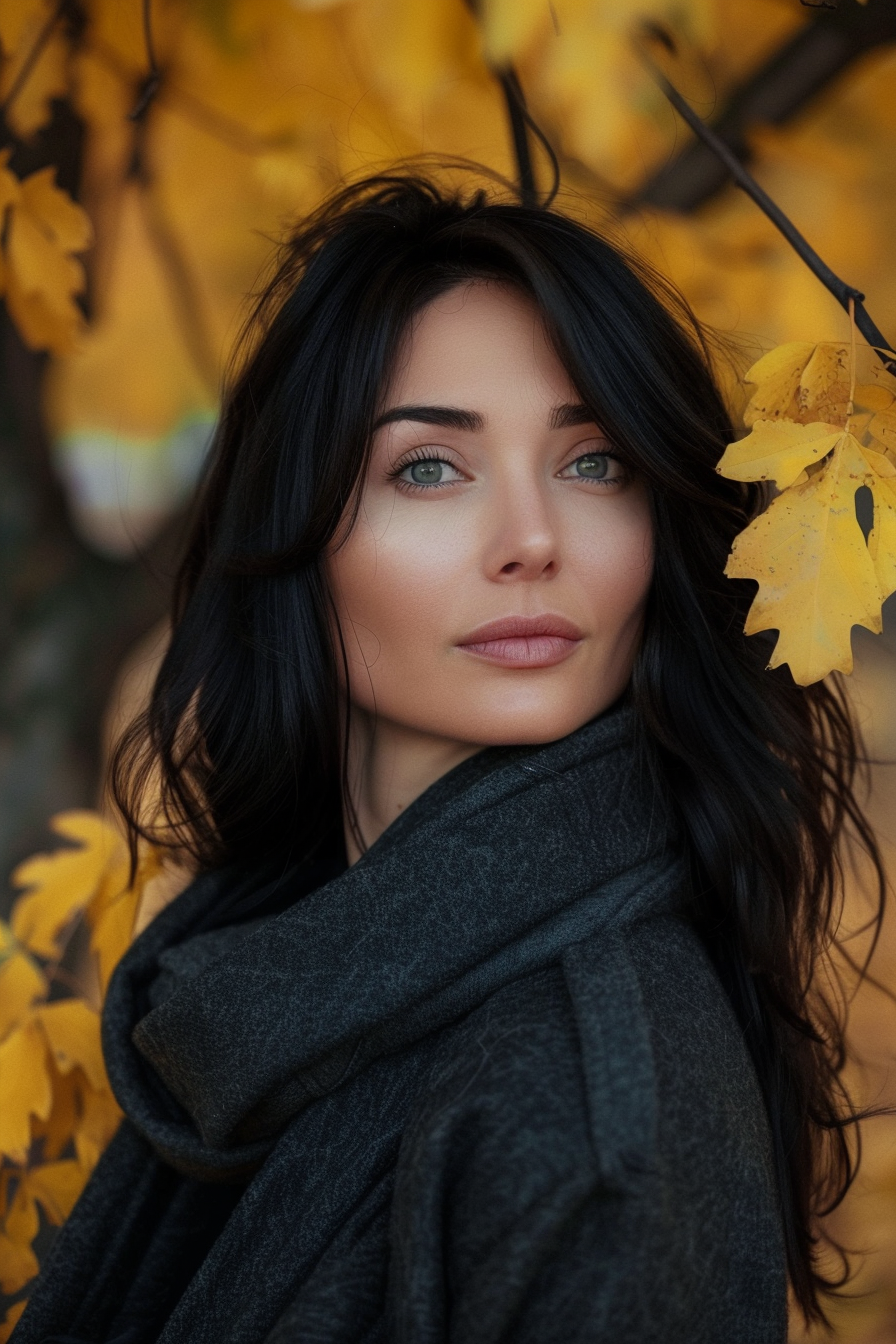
x: 453, y: 417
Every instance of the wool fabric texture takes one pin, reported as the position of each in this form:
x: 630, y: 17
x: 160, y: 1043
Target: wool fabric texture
x: 482, y: 1086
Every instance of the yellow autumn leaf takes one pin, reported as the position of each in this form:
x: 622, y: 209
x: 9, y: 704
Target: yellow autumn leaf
x: 815, y: 573
x: 98, y: 1120
x: 73, y: 1034
x: 12, y: 1317
x: 112, y: 913
x: 882, y: 540
x: 509, y: 25
x: 777, y: 375
x: 24, y: 1088
x: 22, y: 1221
x: 874, y: 397
x: 22, y: 983
x: 45, y: 228
x: 22, y: 25
x: 779, y: 451
x: 55, y: 1133
x: 18, y: 1264
x: 62, y: 884
x: 824, y: 386
x: 55, y: 1186
x: 882, y: 427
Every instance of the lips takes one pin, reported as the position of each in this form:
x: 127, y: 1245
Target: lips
x: 524, y: 641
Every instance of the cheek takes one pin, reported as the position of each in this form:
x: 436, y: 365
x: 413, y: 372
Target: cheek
x: 394, y: 581
x: 613, y: 564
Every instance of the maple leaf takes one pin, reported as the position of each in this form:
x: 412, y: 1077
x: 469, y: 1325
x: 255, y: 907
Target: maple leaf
x: 43, y: 229
x: 778, y: 377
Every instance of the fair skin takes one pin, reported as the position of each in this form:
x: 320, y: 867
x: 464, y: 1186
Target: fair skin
x: 491, y: 496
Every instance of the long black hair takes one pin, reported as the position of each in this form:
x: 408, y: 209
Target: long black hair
x: 243, y: 733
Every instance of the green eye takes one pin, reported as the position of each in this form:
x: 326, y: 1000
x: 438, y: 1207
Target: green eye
x: 594, y: 466
x: 426, y: 473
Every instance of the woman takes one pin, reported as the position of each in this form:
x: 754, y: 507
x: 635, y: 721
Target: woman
x: 487, y: 1016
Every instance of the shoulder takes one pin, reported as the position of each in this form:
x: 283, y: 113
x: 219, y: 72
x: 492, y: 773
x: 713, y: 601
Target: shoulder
x: 627, y: 1044
x: 596, y: 1129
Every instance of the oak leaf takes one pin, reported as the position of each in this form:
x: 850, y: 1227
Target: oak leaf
x: 816, y: 575
x: 823, y: 425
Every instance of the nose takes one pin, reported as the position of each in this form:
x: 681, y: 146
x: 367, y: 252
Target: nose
x: 524, y: 541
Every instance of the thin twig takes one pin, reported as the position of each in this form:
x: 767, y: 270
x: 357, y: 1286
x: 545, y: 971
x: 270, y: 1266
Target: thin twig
x: 153, y: 78
x: 841, y: 291
x: 223, y: 128
x: 33, y: 56
x: 519, y: 132
x: 521, y: 124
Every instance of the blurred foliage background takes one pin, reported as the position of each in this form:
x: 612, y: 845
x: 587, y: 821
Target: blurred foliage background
x: 153, y: 151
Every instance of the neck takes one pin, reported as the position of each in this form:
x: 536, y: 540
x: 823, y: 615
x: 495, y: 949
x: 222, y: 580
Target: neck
x: 389, y: 765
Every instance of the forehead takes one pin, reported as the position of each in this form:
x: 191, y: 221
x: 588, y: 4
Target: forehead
x: 478, y: 341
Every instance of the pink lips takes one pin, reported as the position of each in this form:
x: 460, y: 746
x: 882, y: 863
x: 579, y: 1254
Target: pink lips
x: 524, y: 641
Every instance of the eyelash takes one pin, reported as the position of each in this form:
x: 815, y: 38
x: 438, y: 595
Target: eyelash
x: 421, y: 455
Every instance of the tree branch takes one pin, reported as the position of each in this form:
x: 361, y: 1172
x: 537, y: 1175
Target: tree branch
x: 150, y: 86
x: 841, y: 291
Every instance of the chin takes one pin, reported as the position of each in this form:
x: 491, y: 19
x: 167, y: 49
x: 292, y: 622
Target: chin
x: 533, y: 726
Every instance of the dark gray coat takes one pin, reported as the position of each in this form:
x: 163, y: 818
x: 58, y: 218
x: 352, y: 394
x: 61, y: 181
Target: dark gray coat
x: 483, y: 1087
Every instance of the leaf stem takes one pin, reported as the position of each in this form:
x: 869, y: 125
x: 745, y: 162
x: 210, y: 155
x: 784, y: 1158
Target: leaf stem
x: 844, y: 294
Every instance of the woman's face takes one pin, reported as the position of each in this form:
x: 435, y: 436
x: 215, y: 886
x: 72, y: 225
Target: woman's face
x: 492, y: 589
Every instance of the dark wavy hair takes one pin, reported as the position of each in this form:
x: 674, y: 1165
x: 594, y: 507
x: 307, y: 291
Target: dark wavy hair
x: 243, y: 733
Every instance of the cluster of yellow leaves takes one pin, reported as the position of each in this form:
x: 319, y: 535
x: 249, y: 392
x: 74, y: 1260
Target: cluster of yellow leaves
x: 57, y: 1112
x: 823, y: 424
